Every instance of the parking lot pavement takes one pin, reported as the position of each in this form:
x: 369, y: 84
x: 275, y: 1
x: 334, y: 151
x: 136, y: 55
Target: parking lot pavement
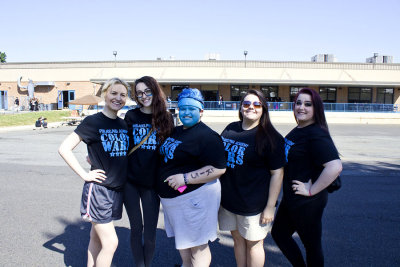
x: 40, y: 198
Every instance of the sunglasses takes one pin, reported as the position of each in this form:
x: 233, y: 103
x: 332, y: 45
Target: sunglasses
x: 146, y: 92
x: 306, y: 104
x: 247, y: 104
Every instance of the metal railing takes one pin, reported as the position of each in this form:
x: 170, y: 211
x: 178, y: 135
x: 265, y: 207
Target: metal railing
x: 288, y: 106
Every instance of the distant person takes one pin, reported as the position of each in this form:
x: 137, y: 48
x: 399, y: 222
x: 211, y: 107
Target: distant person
x: 44, y: 122
x: 106, y: 137
x: 312, y: 165
x: 220, y: 101
x: 31, y: 105
x: 192, y: 159
x: 41, y: 122
x: 16, y: 103
x: 36, y: 104
x: 251, y: 184
x: 149, y: 125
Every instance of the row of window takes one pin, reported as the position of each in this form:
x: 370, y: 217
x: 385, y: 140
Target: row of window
x: 328, y: 94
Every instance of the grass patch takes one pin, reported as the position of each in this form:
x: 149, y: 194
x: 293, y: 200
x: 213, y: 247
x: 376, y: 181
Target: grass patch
x: 29, y: 118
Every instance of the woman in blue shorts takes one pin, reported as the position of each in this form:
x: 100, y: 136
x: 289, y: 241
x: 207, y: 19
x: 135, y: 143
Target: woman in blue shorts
x: 106, y: 137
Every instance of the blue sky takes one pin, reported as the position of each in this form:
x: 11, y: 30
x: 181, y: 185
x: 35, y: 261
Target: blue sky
x: 273, y: 30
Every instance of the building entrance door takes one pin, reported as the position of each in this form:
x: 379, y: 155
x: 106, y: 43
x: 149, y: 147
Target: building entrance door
x: 63, y: 97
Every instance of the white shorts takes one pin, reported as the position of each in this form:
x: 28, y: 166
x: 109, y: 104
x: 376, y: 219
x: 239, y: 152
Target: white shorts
x: 249, y: 227
x: 193, y: 217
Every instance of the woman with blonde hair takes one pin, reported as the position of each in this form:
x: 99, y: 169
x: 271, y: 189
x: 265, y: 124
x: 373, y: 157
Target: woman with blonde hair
x: 106, y: 137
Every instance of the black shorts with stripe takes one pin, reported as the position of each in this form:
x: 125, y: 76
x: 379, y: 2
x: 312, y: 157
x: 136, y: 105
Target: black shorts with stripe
x: 100, y: 204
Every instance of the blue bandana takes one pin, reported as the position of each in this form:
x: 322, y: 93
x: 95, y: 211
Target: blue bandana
x: 187, y: 101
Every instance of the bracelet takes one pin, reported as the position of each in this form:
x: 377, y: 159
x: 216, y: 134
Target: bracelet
x: 309, y: 192
x: 185, y: 178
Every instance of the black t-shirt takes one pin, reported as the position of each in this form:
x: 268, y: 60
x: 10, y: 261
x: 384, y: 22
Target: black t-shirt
x: 245, y: 184
x: 107, y: 144
x: 143, y: 162
x: 307, y: 149
x: 186, y: 151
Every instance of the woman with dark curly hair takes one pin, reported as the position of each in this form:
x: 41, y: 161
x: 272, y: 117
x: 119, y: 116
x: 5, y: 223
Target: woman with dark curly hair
x: 151, y: 123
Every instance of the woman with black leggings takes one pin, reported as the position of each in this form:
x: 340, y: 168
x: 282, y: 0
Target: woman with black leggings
x: 152, y: 123
x: 312, y: 165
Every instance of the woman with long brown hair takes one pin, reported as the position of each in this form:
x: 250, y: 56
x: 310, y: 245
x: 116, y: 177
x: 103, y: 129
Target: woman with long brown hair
x: 151, y: 123
x: 313, y: 163
x: 253, y: 179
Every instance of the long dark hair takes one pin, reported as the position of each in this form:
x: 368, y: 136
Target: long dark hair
x: 266, y: 133
x: 161, y: 118
x: 318, y: 105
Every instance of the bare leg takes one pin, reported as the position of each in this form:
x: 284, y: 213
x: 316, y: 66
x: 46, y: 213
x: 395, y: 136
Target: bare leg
x: 109, y: 242
x: 201, y: 256
x: 186, y: 256
x: 239, y: 247
x: 94, y: 248
x: 255, y: 253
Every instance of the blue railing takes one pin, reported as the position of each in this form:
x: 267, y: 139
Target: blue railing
x: 288, y: 106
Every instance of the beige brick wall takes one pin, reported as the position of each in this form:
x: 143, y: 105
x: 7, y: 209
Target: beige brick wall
x: 48, y: 94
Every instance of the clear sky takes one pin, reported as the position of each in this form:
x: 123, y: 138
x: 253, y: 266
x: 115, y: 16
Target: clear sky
x: 272, y: 30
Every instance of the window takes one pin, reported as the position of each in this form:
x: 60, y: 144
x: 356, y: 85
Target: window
x: 293, y: 92
x: 328, y: 94
x: 176, y: 90
x: 238, y: 91
x: 384, y: 95
x: 270, y: 92
x: 360, y: 95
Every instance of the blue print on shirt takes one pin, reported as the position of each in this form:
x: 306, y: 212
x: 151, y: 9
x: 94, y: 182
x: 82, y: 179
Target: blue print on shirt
x: 139, y: 132
x: 115, y: 141
x: 235, y: 152
x: 288, y: 145
x: 168, y: 148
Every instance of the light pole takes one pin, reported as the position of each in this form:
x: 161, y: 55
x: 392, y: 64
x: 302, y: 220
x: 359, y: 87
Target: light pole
x: 115, y: 55
x: 245, y: 55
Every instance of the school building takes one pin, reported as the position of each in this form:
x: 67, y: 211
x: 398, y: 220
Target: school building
x: 57, y: 83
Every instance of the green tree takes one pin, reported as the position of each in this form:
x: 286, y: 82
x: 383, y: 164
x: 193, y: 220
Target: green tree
x: 3, y: 57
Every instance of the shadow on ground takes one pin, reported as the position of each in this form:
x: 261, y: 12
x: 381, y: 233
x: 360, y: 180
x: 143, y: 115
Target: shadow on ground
x: 376, y: 168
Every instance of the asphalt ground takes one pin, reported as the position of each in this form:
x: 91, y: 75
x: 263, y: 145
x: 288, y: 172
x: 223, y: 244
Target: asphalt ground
x: 40, y: 198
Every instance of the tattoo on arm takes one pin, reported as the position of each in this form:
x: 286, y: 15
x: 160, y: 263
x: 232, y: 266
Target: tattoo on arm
x: 194, y: 175
x: 207, y: 172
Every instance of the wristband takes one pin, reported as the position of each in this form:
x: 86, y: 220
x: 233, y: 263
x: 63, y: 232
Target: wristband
x: 185, y: 178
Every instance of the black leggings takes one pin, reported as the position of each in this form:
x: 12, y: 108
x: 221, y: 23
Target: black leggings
x: 143, y: 235
x: 306, y: 221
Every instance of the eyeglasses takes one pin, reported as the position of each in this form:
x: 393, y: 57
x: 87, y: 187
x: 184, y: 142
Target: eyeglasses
x: 306, y: 104
x: 247, y: 104
x: 146, y: 92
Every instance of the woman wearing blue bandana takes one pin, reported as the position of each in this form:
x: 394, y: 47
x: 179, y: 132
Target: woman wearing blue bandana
x: 192, y: 159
